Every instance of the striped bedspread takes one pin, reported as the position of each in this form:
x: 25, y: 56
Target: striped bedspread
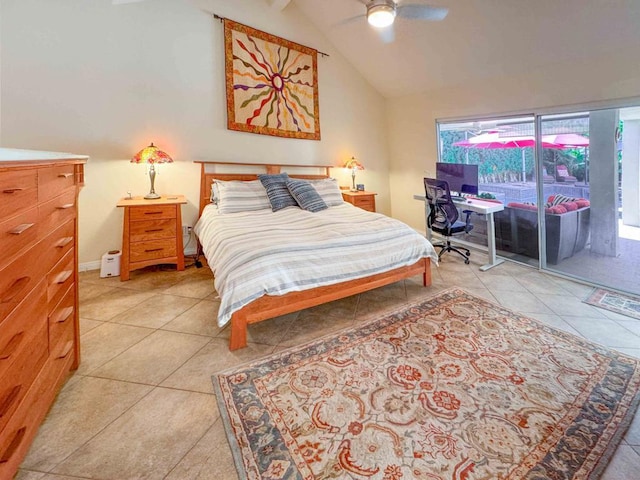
x: 265, y: 253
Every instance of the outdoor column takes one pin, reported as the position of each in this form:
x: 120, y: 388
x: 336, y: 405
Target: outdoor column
x: 631, y: 173
x: 603, y: 182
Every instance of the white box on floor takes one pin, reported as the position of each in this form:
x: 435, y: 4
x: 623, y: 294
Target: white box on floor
x: 110, y: 266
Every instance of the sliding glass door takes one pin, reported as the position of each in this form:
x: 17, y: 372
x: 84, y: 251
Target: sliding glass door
x: 592, y: 219
x: 570, y: 186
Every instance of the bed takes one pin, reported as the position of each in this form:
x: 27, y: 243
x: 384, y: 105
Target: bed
x: 268, y: 264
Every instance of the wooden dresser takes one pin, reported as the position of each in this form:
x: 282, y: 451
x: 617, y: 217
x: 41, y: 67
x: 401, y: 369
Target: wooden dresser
x: 362, y: 199
x: 39, y: 334
x: 151, y: 233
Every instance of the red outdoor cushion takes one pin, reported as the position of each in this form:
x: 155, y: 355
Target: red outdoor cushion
x: 570, y: 206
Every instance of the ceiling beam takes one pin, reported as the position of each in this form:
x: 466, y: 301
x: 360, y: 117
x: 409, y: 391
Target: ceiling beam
x: 279, y: 4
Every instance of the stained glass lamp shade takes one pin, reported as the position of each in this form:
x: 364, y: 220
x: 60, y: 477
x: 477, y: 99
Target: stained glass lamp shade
x: 151, y: 155
x: 354, y: 165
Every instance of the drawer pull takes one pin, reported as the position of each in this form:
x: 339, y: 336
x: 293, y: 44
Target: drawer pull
x: 65, y: 175
x: 67, y: 349
x: 7, y: 401
x: 13, y: 190
x: 63, y: 242
x: 153, y: 249
x: 153, y: 230
x: 63, y: 277
x: 152, y: 213
x: 13, y: 446
x: 64, y: 315
x: 65, y: 206
x: 12, y: 346
x: 21, y: 228
x: 15, y: 288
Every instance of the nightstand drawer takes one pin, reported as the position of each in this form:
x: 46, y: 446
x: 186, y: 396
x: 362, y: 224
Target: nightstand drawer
x: 152, y: 230
x: 141, y: 252
x: 152, y: 212
x: 366, y: 203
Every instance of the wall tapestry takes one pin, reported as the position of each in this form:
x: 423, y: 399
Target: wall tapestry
x: 272, y: 84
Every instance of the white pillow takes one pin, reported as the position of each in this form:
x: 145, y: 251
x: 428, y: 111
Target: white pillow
x: 237, y: 196
x: 328, y: 190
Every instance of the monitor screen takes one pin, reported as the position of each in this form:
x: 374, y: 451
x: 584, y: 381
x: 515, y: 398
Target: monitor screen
x: 461, y: 178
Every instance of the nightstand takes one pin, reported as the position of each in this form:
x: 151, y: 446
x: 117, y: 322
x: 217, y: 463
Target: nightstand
x: 151, y: 233
x: 364, y: 200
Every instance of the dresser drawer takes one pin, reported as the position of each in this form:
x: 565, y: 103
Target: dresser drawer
x: 57, y: 244
x: 18, y: 191
x: 57, y: 211
x: 53, y: 180
x: 23, y: 424
x: 152, y: 249
x: 18, y: 330
x: 59, y: 279
x: 62, y: 318
x: 152, y: 230
x: 18, y: 233
x: 149, y: 212
x: 24, y: 369
x: 18, y: 279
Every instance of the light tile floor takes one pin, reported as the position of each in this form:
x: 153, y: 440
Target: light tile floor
x: 141, y: 404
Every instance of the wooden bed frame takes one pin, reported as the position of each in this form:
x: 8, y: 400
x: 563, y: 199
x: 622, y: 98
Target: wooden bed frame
x: 269, y: 306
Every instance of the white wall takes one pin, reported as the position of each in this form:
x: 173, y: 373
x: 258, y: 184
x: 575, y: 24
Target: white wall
x: 92, y: 78
x: 412, y: 119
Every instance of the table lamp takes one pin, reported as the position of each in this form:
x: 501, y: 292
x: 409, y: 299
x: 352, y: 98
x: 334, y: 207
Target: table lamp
x: 151, y: 155
x: 354, y: 165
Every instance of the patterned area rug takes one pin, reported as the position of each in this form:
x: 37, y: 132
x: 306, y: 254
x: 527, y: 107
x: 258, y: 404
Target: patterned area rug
x: 615, y: 302
x: 451, y: 388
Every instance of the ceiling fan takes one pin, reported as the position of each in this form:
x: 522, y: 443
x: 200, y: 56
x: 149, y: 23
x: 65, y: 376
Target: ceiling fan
x: 382, y: 13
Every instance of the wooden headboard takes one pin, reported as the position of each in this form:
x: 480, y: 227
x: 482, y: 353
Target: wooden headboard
x: 207, y: 176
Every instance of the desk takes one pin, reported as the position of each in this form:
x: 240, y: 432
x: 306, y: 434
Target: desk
x: 479, y: 206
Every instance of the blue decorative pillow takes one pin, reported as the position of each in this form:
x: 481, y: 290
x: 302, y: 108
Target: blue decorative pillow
x: 277, y: 191
x: 306, y: 196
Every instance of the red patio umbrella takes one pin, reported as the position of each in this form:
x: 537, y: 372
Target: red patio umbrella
x: 567, y: 140
x: 494, y: 140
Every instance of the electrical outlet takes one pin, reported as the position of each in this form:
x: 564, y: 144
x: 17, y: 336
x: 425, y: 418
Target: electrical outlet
x: 186, y: 230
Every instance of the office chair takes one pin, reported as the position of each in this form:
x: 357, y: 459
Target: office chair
x: 443, y: 217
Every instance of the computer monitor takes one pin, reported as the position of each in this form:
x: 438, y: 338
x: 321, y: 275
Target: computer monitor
x: 461, y: 178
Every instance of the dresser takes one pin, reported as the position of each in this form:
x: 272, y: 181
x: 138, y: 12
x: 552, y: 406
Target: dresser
x: 363, y: 199
x: 39, y: 332
x: 151, y: 233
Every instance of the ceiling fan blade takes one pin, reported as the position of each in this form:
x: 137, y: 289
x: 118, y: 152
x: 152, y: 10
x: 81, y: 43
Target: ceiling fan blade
x: 349, y: 20
x: 422, y: 12
x: 386, y: 34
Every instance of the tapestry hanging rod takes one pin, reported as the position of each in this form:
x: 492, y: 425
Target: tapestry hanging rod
x: 218, y: 17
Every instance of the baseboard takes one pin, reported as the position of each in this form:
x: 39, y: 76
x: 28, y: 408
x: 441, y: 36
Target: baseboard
x: 86, y: 266
x: 97, y: 264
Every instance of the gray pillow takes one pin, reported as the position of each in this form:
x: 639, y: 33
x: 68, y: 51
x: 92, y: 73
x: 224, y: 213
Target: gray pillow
x: 277, y: 191
x: 306, y: 196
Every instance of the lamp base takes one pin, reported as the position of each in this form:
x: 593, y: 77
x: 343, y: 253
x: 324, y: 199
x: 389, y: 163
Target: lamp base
x: 152, y: 196
x: 353, y: 189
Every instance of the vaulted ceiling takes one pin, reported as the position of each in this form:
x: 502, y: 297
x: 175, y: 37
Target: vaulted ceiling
x: 478, y: 39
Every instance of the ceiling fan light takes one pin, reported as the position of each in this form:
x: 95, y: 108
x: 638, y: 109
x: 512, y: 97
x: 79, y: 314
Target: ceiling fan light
x: 381, y: 16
